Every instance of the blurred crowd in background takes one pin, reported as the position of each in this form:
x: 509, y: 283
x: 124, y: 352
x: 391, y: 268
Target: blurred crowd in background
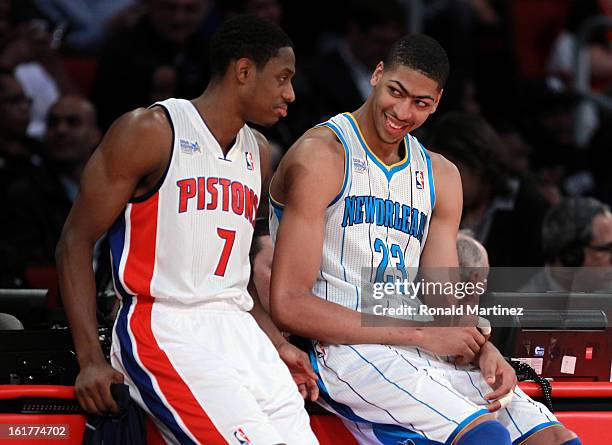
x: 514, y: 119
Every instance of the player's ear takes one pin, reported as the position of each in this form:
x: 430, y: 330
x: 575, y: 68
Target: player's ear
x: 244, y: 69
x: 377, y: 74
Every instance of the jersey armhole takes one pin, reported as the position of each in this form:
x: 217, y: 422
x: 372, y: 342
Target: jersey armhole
x: 338, y: 135
x: 432, y: 189
x: 160, y: 181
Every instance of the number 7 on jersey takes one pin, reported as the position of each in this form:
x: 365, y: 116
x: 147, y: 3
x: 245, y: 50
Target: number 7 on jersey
x: 229, y: 236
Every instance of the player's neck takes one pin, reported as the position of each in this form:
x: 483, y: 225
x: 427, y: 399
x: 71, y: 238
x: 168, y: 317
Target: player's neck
x: 386, y: 152
x: 225, y: 124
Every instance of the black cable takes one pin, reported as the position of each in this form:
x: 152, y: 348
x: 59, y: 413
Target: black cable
x: 526, y: 372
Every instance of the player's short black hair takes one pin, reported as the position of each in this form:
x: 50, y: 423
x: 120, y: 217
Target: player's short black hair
x: 420, y: 53
x: 245, y: 36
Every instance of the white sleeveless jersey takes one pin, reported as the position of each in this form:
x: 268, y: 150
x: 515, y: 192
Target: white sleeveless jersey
x: 378, y: 223
x: 188, y: 239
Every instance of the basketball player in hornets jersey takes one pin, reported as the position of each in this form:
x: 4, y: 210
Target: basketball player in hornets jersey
x: 177, y: 187
x: 359, y: 191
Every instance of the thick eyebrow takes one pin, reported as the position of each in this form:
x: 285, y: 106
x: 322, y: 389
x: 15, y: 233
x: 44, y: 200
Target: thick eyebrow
x: 407, y: 93
x: 288, y: 71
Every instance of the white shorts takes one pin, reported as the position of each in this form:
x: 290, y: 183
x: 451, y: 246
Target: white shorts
x: 387, y: 394
x: 209, y: 377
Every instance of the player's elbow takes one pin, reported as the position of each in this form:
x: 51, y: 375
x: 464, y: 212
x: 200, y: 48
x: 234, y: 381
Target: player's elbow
x: 281, y: 308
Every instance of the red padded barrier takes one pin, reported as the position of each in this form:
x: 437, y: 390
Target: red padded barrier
x: 51, y: 391
x: 593, y: 427
x: 570, y: 389
x: 330, y: 430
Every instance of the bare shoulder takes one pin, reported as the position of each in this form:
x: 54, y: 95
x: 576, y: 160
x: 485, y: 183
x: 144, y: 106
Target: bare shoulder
x: 447, y: 183
x: 314, y: 162
x: 144, y: 124
x: 141, y: 137
x: 442, y: 167
x: 317, y: 146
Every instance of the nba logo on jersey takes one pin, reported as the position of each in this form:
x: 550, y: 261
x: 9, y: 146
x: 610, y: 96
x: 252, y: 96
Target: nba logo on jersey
x: 249, y: 160
x: 242, y: 437
x: 406, y: 442
x: 420, y: 179
x: 189, y: 148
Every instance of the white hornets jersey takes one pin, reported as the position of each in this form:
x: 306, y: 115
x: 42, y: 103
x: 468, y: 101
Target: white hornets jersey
x: 188, y: 239
x: 378, y: 223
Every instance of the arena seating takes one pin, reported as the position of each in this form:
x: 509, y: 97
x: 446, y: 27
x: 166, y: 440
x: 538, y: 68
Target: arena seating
x: 57, y: 405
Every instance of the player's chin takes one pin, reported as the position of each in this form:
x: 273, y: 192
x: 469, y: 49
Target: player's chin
x: 267, y: 121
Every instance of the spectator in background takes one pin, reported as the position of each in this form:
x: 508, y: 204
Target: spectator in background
x: 163, y: 55
x: 17, y: 159
x: 26, y: 48
x: 473, y: 258
x: 39, y: 203
x: 86, y: 23
x: 562, y: 57
x: 340, y: 78
x: 561, y: 64
x: 576, y: 233
x: 503, y: 209
x: 266, y: 9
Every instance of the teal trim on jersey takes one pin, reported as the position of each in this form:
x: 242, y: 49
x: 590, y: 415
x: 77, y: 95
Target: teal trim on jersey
x: 277, y: 208
x: 432, y: 188
x: 387, y: 434
x: 347, y: 157
x: 389, y: 171
x: 533, y: 430
x: 465, y: 423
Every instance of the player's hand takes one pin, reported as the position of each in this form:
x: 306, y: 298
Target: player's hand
x: 301, y: 371
x: 92, y: 388
x: 498, y: 374
x: 464, y: 343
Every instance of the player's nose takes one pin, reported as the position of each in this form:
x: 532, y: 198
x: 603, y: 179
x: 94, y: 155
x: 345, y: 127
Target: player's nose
x: 288, y: 93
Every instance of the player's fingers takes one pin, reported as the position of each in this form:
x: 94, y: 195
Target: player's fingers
x: 106, y: 398
x: 302, y: 390
x: 478, y: 337
x: 487, y: 369
x: 465, y: 357
x: 96, y: 403
x: 494, y: 406
x: 117, y: 377
x: 474, y: 347
x: 313, y: 389
x: 307, y: 367
x: 88, y: 405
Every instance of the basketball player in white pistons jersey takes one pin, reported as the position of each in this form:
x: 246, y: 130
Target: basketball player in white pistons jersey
x: 358, y: 191
x: 178, y: 186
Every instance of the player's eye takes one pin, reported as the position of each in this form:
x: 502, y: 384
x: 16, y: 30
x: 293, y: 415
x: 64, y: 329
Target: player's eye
x: 394, y: 92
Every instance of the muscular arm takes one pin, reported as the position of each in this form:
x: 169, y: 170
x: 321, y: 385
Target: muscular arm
x: 308, y: 179
x: 441, y: 246
x: 133, y: 149
x: 258, y: 312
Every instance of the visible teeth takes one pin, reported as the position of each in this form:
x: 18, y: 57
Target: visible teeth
x: 392, y: 125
